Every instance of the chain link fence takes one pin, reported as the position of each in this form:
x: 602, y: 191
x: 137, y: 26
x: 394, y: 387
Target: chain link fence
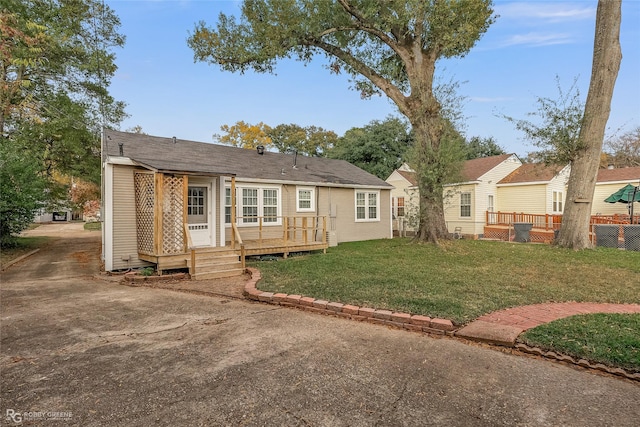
x: 621, y: 236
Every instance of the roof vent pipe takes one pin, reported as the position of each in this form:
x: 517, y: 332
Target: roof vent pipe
x: 174, y: 139
x: 295, y: 160
x: 121, y: 149
x: 260, y: 149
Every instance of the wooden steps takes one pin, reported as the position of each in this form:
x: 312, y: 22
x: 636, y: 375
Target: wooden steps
x: 214, y: 263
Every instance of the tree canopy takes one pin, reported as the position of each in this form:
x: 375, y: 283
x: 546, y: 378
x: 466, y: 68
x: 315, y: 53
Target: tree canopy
x: 380, y: 147
x: 388, y: 47
x: 56, y: 63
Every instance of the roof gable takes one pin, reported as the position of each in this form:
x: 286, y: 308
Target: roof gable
x: 473, y: 169
x: 182, y: 156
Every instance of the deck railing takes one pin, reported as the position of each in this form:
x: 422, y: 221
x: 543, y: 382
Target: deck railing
x: 541, y: 221
x: 291, y: 229
x: 551, y: 221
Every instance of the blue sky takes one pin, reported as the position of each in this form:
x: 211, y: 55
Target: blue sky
x: 515, y: 62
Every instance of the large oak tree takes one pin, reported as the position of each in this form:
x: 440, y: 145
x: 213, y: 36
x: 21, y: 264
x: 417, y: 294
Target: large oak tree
x: 386, y: 46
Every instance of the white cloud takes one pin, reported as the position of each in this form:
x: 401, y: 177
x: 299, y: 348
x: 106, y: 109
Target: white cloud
x: 549, y: 12
x: 537, y: 39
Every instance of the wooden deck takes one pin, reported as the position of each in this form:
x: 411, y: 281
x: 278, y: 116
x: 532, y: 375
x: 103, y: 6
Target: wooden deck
x: 215, y: 262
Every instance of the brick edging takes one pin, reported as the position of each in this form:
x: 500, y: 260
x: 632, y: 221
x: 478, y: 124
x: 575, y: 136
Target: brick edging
x: 398, y: 320
x: 580, y: 362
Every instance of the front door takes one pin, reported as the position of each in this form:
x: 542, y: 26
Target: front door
x: 199, y: 212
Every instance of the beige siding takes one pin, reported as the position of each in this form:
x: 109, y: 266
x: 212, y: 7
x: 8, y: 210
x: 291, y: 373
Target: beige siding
x: 350, y: 230
x: 603, y: 191
x: 340, y: 201
x: 530, y: 199
x: 124, y: 220
x: 472, y: 225
x: 404, y: 189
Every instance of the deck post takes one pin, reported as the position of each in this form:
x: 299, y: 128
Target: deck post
x: 157, y: 216
x: 304, y: 230
x: 233, y: 210
x: 185, y: 198
x: 285, y: 233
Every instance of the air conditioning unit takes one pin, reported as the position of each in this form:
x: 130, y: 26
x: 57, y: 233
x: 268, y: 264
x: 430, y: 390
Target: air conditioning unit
x: 332, y: 238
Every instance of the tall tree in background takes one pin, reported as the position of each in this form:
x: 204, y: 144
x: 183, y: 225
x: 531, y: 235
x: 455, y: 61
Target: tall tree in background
x: 380, y: 147
x: 311, y: 140
x: 56, y: 63
x: 390, y: 47
x: 245, y: 135
x: 624, y: 151
x: 477, y: 147
x: 607, y: 55
x: 557, y: 136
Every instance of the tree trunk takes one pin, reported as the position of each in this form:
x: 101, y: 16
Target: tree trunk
x: 574, y: 232
x: 432, y: 226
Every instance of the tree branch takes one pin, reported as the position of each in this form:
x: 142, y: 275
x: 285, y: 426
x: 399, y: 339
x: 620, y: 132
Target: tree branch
x: 378, y: 80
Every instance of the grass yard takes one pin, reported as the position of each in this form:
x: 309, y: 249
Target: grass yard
x: 21, y: 246
x: 92, y: 226
x: 459, y: 281
x: 611, y: 339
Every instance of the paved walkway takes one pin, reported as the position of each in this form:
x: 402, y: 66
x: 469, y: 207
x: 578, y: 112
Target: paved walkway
x: 503, y: 327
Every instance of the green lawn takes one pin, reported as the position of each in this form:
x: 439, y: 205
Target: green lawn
x: 612, y: 339
x: 459, y: 281
x: 465, y: 279
x: 21, y: 246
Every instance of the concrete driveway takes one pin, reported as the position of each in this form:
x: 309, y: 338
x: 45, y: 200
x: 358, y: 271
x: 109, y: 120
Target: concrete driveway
x: 90, y: 352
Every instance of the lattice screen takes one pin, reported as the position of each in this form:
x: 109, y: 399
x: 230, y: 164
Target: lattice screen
x: 145, y: 198
x: 172, y: 215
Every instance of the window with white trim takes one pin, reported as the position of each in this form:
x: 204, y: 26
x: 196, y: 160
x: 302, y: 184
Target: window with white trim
x: 305, y: 199
x: 367, y: 205
x: 490, y: 203
x: 270, y: 205
x: 256, y: 202
x: 227, y: 205
x: 557, y: 201
x: 465, y: 205
x: 249, y: 205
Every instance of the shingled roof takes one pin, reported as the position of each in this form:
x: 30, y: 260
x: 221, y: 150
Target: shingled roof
x: 191, y: 157
x: 473, y: 169
x: 532, y: 172
x: 619, y: 174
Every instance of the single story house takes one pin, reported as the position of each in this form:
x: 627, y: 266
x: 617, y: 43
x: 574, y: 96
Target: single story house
x: 534, y: 188
x: 466, y: 202
x: 172, y: 203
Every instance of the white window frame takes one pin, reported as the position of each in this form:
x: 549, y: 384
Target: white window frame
x: 557, y: 201
x: 312, y: 200
x: 227, y: 206
x: 464, y: 205
x: 367, y: 205
x: 490, y: 202
x: 261, y: 205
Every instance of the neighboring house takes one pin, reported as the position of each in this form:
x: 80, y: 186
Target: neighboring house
x: 404, y: 200
x: 608, y: 182
x: 534, y: 188
x: 60, y: 215
x: 466, y: 203
x: 168, y: 201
